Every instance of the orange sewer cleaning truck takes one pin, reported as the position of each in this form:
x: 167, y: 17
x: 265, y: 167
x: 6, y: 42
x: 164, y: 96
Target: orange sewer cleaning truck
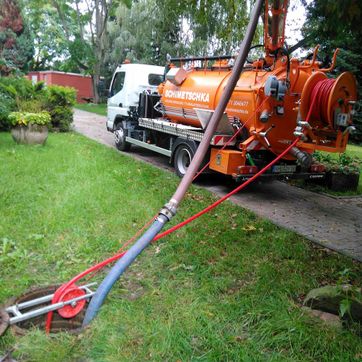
x: 277, y: 98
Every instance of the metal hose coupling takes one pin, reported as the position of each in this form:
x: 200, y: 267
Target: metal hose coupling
x: 299, y: 129
x: 304, y: 158
x: 170, y: 209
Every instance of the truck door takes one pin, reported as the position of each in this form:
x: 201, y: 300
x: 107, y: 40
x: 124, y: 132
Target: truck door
x: 117, y: 98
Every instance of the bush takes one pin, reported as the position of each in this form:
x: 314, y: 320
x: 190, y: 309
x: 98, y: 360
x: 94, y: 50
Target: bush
x: 7, y: 105
x: 344, y: 164
x: 19, y: 94
x: 59, y: 103
x: 18, y: 87
x: 15, y: 91
x: 33, y: 106
x: 25, y: 118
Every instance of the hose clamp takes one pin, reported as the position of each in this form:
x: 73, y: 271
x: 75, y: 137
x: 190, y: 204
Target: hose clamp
x: 169, y: 210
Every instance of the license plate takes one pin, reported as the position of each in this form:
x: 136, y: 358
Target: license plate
x: 284, y: 168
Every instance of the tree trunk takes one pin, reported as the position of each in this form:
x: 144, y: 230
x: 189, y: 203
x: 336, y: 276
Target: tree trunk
x: 95, y: 83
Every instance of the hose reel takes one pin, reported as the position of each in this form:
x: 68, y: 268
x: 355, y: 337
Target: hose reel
x: 334, y: 100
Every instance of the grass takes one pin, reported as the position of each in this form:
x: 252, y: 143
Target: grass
x: 353, y: 151
x: 100, y: 109
x: 226, y: 287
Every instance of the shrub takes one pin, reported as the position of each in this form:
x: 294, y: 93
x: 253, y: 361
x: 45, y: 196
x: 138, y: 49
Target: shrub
x: 19, y: 94
x: 7, y: 105
x: 25, y: 118
x: 15, y: 92
x: 344, y: 164
x: 32, y: 106
x: 18, y: 87
x: 59, y: 103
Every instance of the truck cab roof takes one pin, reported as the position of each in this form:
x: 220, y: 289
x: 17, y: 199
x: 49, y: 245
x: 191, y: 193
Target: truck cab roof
x: 143, y: 67
x: 141, y: 75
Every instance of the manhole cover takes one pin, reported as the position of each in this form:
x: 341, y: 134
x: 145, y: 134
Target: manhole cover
x: 59, y: 324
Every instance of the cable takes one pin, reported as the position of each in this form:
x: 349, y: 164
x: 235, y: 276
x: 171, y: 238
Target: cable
x: 169, y: 231
x: 96, y: 268
x: 225, y: 197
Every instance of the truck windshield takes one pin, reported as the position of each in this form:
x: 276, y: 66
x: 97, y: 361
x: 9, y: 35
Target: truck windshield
x: 155, y: 79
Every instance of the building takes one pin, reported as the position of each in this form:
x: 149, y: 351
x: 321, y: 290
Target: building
x: 82, y: 83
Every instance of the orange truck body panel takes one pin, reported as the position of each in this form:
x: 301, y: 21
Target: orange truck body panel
x: 225, y: 161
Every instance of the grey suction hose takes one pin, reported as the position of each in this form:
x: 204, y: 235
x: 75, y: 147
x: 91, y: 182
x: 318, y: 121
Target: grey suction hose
x: 170, y: 208
x: 120, y: 267
x: 220, y: 108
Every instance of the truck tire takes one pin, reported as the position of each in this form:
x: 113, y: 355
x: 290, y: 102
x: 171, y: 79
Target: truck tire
x: 120, y: 138
x: 182, y: 159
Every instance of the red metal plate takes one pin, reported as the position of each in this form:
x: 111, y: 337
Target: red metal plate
x: 71, y: 310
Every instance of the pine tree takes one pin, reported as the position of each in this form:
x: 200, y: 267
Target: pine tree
x: 16, y: 46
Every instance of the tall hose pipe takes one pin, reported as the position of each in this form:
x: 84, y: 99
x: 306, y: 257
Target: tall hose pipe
x: 220, y: 108
x: 171, y: 207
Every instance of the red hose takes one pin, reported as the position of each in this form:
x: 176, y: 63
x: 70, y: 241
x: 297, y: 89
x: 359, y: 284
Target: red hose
x: 318, y: 108
x: 319, y: 105
x: 225, y: 197
x: 100, y: 265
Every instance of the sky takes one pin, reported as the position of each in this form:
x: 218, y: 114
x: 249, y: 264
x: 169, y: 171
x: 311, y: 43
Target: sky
x: 295, y: 20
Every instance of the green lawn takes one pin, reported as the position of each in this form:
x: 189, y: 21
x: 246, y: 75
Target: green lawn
x: 354, y: 151
x: 100, y: 109
x: 226, y: 287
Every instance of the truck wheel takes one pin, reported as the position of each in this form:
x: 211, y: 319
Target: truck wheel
x: 182, y: 159
x: 120, y: 138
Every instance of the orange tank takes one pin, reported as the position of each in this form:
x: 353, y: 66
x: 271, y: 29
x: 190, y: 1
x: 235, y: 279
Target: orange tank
x: 267, y: 102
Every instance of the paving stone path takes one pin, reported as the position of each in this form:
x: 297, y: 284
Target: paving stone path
x: 335, y: 223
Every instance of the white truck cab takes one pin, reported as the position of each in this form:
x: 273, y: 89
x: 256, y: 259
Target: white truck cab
x: 135, y: 116
x: 128, y: 82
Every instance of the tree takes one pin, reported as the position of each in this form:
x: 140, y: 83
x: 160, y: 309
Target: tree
x: 50, y: 43
x: 221, y: 24
x: 93, y: 36
x: 151, y: 29
x: 71, y: 35
x: 144, y: 33
x: 16, y: 48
